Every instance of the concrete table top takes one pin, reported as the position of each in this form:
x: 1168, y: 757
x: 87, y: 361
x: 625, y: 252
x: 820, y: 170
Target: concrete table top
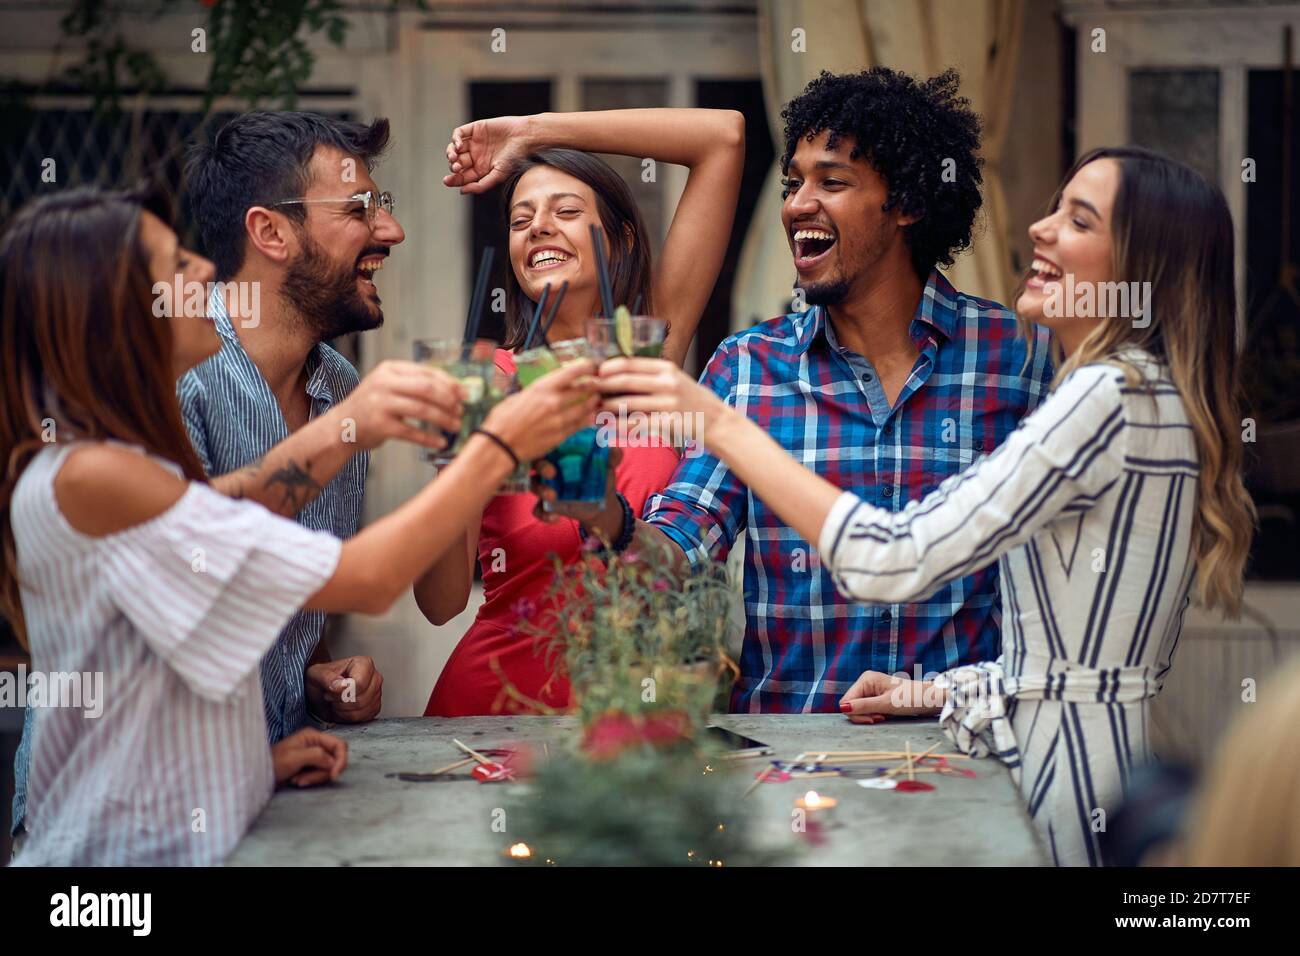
x: 370, y: 819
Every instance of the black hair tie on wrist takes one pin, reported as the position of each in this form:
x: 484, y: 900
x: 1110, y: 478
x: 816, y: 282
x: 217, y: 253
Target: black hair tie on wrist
x: 500, y: 442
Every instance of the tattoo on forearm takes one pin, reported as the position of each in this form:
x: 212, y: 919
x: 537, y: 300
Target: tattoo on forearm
x: 297, y: 486
x: 245, y: 474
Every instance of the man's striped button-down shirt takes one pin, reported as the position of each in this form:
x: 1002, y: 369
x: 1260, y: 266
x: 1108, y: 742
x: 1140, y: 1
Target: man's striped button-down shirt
x: 233, y: 418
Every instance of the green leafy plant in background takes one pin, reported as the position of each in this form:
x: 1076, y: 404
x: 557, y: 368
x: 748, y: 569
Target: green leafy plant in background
x: 668, y: 804
x: 258, y: 50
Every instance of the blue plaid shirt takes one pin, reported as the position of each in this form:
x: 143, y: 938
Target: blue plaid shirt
x: 804, y: 644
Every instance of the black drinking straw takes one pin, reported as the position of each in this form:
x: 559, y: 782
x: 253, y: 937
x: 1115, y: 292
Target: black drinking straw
x: 537, y: 317
x: 476, y: 303
x: 555, y: 310
x: 636, y: 306
x: 606, y: 296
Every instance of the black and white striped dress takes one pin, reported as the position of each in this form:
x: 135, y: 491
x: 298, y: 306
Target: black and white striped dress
x: 1089, y: 507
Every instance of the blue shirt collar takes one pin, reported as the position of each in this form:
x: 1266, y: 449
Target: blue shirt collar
x: 935, y: 313
x: 318, y: 378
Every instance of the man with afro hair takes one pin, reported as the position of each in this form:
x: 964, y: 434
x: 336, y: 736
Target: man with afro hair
x: 883, y: 378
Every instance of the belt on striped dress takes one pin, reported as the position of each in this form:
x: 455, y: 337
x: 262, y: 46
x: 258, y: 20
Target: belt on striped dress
x: 974, y: 715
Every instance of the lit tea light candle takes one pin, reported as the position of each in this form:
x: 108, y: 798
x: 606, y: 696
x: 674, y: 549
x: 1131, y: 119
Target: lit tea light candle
x: 814, y: 802
x: 520, y: 851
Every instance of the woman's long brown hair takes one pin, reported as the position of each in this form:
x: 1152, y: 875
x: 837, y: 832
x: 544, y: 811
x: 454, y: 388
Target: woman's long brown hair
x: 82, y: 356
x: 1171, y: 227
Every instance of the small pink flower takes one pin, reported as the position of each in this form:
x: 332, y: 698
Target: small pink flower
x: 631, y: 557
x: 660, y: 585
x: 591, y: 544
x: 523, y: 609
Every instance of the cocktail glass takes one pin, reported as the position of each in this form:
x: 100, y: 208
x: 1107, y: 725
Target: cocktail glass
x: 472, y: 365
x: 530, y: 365
x: 642, y: 337
x: 581, y: 460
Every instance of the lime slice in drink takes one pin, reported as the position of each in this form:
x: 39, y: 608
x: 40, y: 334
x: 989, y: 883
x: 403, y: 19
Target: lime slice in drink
x: 474, y: 387
x: 623, y: 329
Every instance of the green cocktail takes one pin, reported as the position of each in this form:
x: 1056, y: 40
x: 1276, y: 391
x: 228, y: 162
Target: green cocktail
x: 475, y: 370
x: 580, y: 461
x: 530, y: 365
x: 533, y: 364
x: 639, y: 336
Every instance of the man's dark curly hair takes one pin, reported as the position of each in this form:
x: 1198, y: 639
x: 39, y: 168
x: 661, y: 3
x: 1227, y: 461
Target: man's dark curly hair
x: 905, y: 130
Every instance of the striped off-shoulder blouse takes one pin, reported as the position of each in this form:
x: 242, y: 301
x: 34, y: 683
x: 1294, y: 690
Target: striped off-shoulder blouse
x: 174, y: 615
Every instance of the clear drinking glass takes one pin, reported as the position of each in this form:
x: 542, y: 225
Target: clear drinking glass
x: 472, y: 365
x: 643, y: 337
x: 530, y: 365
x: 580, y: 461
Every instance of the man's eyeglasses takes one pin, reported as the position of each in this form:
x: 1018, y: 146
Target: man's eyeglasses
x: 371, y: 201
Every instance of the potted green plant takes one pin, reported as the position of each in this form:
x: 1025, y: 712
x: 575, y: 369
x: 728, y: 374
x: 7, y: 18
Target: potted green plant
x: 636, y: 633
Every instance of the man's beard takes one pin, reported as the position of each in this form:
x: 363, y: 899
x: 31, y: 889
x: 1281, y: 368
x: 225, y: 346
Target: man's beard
x: 862, y: 256
x: 827, y: 293
x: 328, y: 303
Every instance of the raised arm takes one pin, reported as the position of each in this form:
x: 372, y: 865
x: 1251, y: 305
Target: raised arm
x: 1066, y: 454
x: 711, y: 143
x: 105, y: 489
x: 443, y: 591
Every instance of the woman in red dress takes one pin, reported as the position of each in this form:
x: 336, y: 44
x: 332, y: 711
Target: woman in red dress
x: 554, y: 191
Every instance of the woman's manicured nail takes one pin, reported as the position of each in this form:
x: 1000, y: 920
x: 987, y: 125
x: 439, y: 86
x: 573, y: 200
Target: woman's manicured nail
x: 846, y: 707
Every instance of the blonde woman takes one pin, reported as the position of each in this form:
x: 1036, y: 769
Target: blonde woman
x: 1248, y: 812
x: 1106, y: 507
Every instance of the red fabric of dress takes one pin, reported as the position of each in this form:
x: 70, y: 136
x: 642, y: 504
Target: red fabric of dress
x: 516, y: 552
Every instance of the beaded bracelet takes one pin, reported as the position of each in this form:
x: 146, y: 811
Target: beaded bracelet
x: 626, y: 531
x: 629, y: 527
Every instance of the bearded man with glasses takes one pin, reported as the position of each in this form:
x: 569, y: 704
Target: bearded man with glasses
x: 286, y: 200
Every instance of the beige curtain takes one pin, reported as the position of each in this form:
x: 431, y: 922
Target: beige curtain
x: 981, y: 38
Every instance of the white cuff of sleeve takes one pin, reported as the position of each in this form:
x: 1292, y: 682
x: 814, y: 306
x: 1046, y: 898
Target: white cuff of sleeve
x: 835, y: 526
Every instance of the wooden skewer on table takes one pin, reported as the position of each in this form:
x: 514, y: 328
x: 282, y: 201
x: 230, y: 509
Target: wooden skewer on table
x: 927, y: 770
x: 838, y: 761
x: 909, y: 766
x: 849, y: 756
x: 757, y: 780
x: 452, y: 766
x: 474, y: 754
x: 844, y: 755
x: 815, y: 773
